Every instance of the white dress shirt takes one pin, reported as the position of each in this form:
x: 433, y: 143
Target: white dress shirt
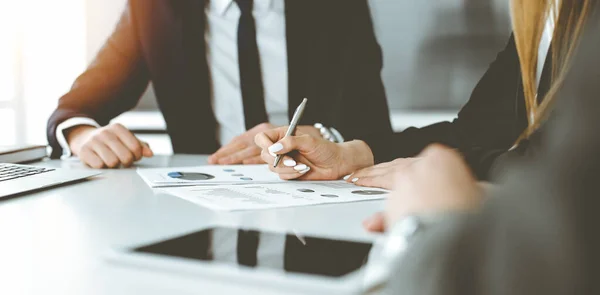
x: 222, y: 56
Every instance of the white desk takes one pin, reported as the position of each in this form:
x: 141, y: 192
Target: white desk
x: 54, y: 242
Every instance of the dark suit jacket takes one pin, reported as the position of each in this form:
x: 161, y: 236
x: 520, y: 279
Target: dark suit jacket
x: 539, y: 232
x: 488, y: 124
x: 333, y: 59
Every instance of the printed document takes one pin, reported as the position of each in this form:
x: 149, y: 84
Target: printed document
x: 208, y: 175
x: 259, y: 196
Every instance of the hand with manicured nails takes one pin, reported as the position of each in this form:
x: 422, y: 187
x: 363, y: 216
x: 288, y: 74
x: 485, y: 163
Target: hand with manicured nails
x: 107, y: 147
x: 437, y: 181
x: 243, y: 150
x: 312, y: 157
x: 381, y: 175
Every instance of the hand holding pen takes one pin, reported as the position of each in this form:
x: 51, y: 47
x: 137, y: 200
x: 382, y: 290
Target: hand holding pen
x: 303, y: 153
x: 292, y: 128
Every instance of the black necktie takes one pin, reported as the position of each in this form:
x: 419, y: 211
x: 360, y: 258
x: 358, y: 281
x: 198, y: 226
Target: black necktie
x: 247, y: 247
x: 250, y: 75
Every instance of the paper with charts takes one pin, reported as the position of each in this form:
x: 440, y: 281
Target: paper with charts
x: 275, y: 195
x: 208, y: 175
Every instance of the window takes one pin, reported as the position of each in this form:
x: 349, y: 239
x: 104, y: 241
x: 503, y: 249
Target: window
x: 43, y: 49
x: 8, y: 79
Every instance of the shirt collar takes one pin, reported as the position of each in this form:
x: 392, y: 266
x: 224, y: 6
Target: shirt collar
x: 222, y: 6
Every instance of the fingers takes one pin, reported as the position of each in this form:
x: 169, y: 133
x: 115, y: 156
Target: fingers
x: 288, y: 162
x: 287, y: 165
x: 303, y: 144
x: 212, y: 160
x: 290, y: 176
x: 226, y: 151
x: 106, y: 154
x: 125, y: 156
x: 380, y: 168
x: 263, y: 141
x: 113, y: 146
x: 267, y: 138
x: 288, y: 168
x: 90, y: 158
x: 238, y: 150
x: 147, y: 151
x: 239, y: 156
x: 367, y: 173
x: 375, y: 223
x: 254, y: 160
x: 381, y: 181
x: 383, y: 175
x: 129, y: 141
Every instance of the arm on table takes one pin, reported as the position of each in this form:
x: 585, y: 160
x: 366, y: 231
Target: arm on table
x: 111, y: 85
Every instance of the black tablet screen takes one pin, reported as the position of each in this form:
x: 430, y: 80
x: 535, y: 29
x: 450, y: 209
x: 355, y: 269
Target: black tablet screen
x: 286, y: 252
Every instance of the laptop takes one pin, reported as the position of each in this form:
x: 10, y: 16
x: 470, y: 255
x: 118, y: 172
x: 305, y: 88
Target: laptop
x: 17, y: 179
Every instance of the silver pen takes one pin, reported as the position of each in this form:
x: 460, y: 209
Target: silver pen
x: 292, y: 128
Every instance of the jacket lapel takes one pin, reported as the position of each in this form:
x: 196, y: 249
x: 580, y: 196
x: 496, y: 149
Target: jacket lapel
x: 194, y: 49
x: 198, y: 86
x: 186, y: 92
x: 297, y: 49
x: 317, y: 57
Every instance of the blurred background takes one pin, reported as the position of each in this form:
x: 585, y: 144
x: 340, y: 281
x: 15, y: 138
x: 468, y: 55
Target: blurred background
x: 434, y: 54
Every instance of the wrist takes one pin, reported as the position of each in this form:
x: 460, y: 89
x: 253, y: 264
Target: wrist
x: 76, y: 137
x: 356, y: 155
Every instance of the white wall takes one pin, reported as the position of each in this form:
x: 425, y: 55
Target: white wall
x: 102, y: 17
x: 47, y: 51
x: 436, y: 51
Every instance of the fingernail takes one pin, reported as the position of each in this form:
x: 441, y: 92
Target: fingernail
x: 354, y: 179
x: 300, y: 167
x: 289, y: 163
x: 273, y: 154
x: 304, y: 171
x: 346, y: 177
x: 276, y: 147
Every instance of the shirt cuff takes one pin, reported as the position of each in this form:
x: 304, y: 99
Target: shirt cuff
x: 70, y: 123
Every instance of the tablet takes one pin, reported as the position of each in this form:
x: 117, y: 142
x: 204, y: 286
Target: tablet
x: 269, y: 259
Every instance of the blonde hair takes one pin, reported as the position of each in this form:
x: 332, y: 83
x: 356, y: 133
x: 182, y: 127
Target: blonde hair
x: 528, y: 19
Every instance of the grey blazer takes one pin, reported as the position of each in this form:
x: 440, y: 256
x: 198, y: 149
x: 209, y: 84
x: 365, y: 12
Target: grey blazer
x: 539, y: 233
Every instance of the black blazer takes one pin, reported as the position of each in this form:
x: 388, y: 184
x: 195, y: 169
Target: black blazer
x: 333, y: 59
x: 487, y: 125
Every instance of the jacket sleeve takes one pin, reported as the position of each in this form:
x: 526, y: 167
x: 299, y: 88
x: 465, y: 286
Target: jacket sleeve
x: 112, y: 84
x: 487, y: 121
x: 538, y: 233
